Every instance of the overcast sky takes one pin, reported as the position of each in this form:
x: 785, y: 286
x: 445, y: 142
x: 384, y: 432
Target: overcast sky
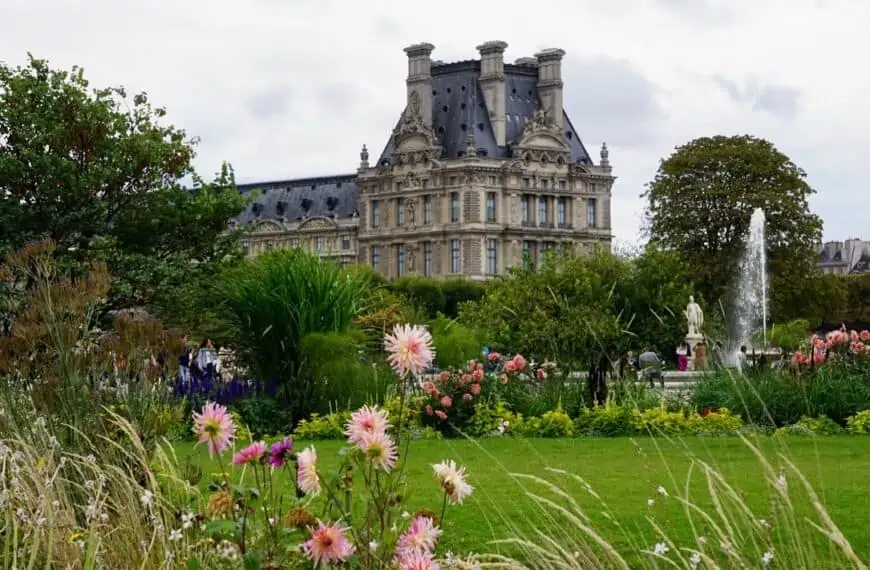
x: 293, y: 88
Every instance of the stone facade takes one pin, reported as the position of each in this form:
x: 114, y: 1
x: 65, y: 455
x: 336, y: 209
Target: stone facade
x: 851, y: 257
x: 482, y: 168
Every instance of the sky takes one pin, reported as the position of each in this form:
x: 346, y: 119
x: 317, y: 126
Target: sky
x: 293, y: 88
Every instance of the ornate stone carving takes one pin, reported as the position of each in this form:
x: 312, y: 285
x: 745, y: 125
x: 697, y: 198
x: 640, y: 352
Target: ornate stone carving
x: 316, y: 224
x: 414, y: 104
x: 410, y: 211
x: 514, y: 199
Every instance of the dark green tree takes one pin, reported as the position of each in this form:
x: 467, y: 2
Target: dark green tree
x: 700, y: 202
x: 100, y: 175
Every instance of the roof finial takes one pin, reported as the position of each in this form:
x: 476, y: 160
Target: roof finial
x: 364, y: 157
x: 470, y: 145
x: 605, y: 156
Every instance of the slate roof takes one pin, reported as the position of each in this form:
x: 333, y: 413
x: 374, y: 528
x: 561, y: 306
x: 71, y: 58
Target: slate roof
x: 295, y: 200
x: 458, y: 106
x: 854, y: 254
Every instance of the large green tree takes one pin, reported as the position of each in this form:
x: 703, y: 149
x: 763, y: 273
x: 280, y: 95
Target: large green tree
x: 100, y: 174
x: 700, y: 203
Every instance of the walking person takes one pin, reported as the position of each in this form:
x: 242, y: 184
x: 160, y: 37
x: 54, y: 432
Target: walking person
x: 651, y: 367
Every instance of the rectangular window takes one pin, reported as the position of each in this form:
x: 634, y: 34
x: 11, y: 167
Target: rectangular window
x: 345, y: 242
x: 563, y: 185
x: 320, y: 243
x: 398, y: 185
x: 560, y: 212
x: 376, y: 256
x: 591, y: 204
x: 525, y: 211
x: 376, y: 214
x: 400, y: 212
x: 542, y: 210
x: 425, y: 183
x: 592, y: 187
x: 427, y: 209
x: 527, y: 183
x: 400, y: 259
x: 545, y: 183
x: 490, y: 206
x: 427, y: 259
x: 452, y: 181
x: 454, y: 206
x: 492, y: 181
x: 491, y: 256
x: 454, y: 256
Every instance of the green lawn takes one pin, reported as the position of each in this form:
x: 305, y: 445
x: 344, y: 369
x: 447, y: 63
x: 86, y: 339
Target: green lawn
x: 625, y: 473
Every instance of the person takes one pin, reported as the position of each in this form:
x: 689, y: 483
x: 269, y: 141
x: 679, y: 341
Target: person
x: 684, y: 351
x: 651, y: 367
x: 701, y: 357
x: 597, y: 381
x: 205, y: 358
x: 741, y: 359
x: 719, y: 355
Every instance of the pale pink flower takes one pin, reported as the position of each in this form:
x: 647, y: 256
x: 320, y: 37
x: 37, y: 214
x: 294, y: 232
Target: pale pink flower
x: 441, y: 415
x: 430, y: 389
x: 251, y: 454
x: 444, y: 376
x: 429, y: 411
x: 215, y: 427
x: 864, y: 335
x: 493, y: 356
x: 465, y: 379
x: 306, y: 472
x: 541, y: 374
x: 410, y: 349
x: 467, y: 397
x: 478, y: 375
x: 421, y: 536
x: 519, y: 362
x: 509, y: 366
x: 452, y: 481
x: 328, y: 545
x: 475, y: 389
x: 380, y: 449
x: 446, y: 402
x: 366, y: 421
x: 418, y: 561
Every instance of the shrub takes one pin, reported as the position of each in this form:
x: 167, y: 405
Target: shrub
x: 459, y: 291
x: 330, y: 426
x: 660, y: 421
x: 263, y: 416
x: 811, y: 426
x: 606, y: 421
x: 555, y: 423
x: 721, y: 422
x: 455, y: 344
x: 490, y: 419
x: 425, y: 293
x: 859, y: 423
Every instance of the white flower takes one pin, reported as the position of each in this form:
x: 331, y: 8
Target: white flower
x: 662, y: 491
x: 650, y: 502
x: 147, y: 498
x: 90, y: 458
x: 702, y: 540
x: 40, y: 521
x: 175, y: 535
x: 81, y: 544
x: 452, y: 481
x: 406, y: 515
x: 767, y: 558
x: 373, y: 545
x: 694, y: 560
x: 661, y: 549
x: 763, y: 523
x: 781, y: 482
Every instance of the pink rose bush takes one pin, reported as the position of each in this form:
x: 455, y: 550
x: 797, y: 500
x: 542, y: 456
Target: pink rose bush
x: 250, y: 511
x: 840, y: 345
x: 451, y: 395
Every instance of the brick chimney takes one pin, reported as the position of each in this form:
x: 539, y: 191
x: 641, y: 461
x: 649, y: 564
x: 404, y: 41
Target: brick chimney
x: 550, y: 82
x: 420, y: 81
x: 493, y: 85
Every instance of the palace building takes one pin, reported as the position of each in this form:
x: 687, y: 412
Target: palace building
x: 483, y: 167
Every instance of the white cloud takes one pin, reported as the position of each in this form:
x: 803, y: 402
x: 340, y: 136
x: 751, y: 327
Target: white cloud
x: 294, y: 87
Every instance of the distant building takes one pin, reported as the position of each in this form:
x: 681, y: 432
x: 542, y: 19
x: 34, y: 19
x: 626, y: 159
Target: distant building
x: 851, y: 257
x: 482, y: 167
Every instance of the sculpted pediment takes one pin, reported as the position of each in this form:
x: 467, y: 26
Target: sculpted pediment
x: 318, y: 223
x: 267, y: 226
x: 413, y: 142
x: 543, y: 141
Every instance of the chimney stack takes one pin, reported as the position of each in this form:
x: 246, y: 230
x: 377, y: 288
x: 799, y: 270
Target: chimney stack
x: 550, y: 82
x: 420, y: 81
x: 492, y: 84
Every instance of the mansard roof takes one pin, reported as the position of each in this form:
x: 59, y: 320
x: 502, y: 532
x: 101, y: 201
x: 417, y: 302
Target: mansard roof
x: 854, y: 254
x: 301, y: 198
x: 458, y: 107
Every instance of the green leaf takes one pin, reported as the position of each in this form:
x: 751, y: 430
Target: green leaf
x: 252, y: 561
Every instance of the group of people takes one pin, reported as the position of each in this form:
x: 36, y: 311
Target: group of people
x: 648, y: 365
x: 203, y: 361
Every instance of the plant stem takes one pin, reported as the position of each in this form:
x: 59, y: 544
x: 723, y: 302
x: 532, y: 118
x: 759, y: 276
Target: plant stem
x: 443, y: 509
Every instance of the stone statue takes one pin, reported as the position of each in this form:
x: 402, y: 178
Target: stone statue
x: 414, y: 104
x: 694, y: 316
x: 411, y: 207
x: 412, y: 262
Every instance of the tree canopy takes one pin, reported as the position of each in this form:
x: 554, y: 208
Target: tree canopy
x: 700, y: 203
x: 99, y: 174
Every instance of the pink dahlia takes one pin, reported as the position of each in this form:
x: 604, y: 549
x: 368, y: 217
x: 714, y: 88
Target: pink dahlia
x: 864, y: 335
x: 444, y: 376
x: 429, y: 388
x: 215, y: 427
x: 475, y: 389
x: 280, y: 452
x: 446, y: 402
x: 251, y: 454
x: 519, y: 363
x: 441, y: 415
x: 421, y: 536
x: 328, y: 545
x: 429, y: 411
x: 493, y: 356
x: 366, y: 421
x: 410, y: 349
x: 417, y: 561
x: 509, y: 366
x: 306, y: 472
x: 452, y: 481
x: 478, y: 375
x: 380, y: 449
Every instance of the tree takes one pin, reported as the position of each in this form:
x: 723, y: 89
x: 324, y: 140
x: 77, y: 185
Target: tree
x: 99, y: 175
x: 700, y: 202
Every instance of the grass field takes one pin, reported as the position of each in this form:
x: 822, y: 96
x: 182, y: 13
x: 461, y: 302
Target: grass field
x: 625, y: 473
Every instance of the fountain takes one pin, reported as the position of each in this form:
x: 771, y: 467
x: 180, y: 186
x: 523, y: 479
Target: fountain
x: 750, y: 302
